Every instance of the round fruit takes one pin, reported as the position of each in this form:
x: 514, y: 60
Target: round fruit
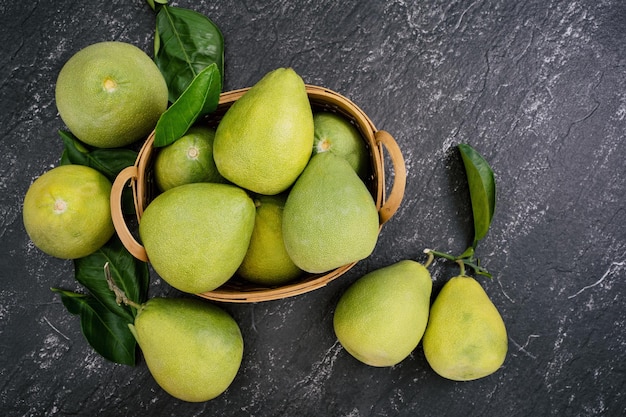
x: 196, y: 235
x: 110, y: 94
x: 381, y: 317
x: 188, y: 160
x: 67, y: 212
x: 334, y: 133
x: 267, y: 261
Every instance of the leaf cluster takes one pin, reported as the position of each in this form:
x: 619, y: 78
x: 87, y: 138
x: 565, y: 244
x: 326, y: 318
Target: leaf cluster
x: 189, y: 51
x: 103, y: 321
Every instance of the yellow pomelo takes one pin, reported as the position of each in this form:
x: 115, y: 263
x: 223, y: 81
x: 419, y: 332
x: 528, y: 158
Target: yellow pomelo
x: 381, y: 317
x: 196, y: 235
x: 465, y: 338
x: 193, y: 349
x: 265, y: 139
x: 67, y: 212
x: 334, y: 133
x: 188, y: 160
x: 267, y: 261
x: 110, y: 94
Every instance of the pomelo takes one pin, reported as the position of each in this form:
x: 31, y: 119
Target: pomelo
x: 381, y: 317
x: 196, y: 235
x: 330, y: 218
x: 265, y: 139
x: 187, y: 160
x: 110, y: 94
x: 193, y: 349
x: 67, y: 212
x: 267, y: 261
x: 466, y: 338
x: 334, y: 133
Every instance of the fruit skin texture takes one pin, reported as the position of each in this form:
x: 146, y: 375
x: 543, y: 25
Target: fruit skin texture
x: 67, y: 212
x: 267, y: 261
x: 196, y: 235
x: 381, y: 317
x: 330, y: 218
x: 265, y: 139
x: 192, y: 348
x: 334, y: 133
x: 110, y: 94
x: 188, y: 160
x: 465, y: 338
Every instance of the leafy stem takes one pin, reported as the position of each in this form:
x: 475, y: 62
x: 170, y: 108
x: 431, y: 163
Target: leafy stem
x: 120, y: 296
x: 466, y: 259
x: 482, y: 189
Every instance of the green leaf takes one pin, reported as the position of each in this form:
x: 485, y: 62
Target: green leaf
x: 186, y: 42
x: 105, y: 331
x: 108, y: 161
x: 153, y: 3
x: 482, y: 188
x: 104, y: 323
x: 200, y: 98
x: 129, y: 274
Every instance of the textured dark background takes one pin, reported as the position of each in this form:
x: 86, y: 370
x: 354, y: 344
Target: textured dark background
x: 538, y: 87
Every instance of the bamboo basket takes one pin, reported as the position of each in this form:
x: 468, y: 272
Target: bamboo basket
x: 237, y: 290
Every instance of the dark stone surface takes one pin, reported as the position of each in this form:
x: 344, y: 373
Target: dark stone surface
x: 538, y: 87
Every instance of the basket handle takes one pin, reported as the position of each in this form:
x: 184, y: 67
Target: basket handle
x: 128, y: 240
x: 394, y: 198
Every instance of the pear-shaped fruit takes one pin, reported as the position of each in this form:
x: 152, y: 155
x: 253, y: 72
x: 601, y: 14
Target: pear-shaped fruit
x: 267, y: 261
x: 193, y: 349
x: 265, y: 139
x: 330, y: 218
x: 334, y: 133
x: 465, y: 338
x: 381, y: 317
x: 196, y: 235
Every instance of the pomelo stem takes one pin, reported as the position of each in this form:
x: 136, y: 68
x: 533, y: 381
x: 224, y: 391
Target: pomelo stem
x: 466, y: 259
x: 462, y: 266
x: 120, y: 297
x: 430, y: 259
x: 444, y: 255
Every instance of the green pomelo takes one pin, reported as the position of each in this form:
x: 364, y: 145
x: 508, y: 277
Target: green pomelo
x: 265, y: 139
x: 267, y: 261
x: 110, y: 94
x: 67, y: 211
x: 188, y: 160
x: 381, y: 317
x: 334, y: 133
x: 193, y: 349
x: 466, y: 337
x: 196, y: 235
x: 330, y: 218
